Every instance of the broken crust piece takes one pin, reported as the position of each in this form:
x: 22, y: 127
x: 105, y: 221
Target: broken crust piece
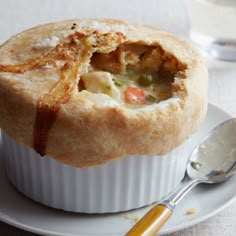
x: 85, y: 92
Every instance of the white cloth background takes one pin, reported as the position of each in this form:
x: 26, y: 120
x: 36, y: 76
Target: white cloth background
x: 169, y: 14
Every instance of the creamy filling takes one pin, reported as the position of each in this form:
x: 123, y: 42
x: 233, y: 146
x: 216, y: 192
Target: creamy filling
x: 133, y: 76
x: 131, y: 89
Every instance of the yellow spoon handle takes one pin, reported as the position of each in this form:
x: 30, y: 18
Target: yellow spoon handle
x: 151, y: 223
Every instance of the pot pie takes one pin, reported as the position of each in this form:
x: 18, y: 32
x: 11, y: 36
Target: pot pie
x: 85, y: 92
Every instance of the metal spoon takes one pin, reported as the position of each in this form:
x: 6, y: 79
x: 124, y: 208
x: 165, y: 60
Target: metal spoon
x: 212, y: 161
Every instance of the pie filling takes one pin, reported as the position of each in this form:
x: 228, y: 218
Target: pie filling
x: 131, y: 89
x: 105, y: 68
x: 133, y: 75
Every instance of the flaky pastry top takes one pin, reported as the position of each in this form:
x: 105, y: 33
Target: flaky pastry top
x: 61, y: 90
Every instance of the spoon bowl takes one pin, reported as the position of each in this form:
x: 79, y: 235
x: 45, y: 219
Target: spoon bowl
x: 212, y: 161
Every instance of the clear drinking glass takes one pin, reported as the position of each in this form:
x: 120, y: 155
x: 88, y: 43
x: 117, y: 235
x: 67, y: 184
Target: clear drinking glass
x: 213, y: 26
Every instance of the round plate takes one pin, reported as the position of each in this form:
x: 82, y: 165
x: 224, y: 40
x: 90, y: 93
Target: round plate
x: 207, y: 200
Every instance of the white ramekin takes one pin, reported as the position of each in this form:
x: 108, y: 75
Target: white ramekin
x: 119, y: 185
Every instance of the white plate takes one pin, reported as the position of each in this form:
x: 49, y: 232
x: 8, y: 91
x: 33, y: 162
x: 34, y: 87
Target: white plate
x: 21, y: 212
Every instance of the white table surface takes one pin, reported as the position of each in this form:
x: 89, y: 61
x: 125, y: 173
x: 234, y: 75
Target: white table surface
x: 169, y: 14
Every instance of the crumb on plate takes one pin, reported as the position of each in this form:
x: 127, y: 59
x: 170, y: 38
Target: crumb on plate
x: 133, y: 218
x: 191, y: 211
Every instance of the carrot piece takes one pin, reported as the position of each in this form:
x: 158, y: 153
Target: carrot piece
x: 135, y: 95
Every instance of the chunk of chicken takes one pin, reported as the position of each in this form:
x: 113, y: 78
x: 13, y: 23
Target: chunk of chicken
x: 101, y: 82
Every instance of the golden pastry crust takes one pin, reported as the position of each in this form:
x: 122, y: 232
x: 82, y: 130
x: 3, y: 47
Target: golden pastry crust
x: 86, y: 133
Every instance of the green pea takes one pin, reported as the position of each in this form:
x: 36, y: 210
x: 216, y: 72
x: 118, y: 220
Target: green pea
x: 145, y: 80
x: 119, y: 83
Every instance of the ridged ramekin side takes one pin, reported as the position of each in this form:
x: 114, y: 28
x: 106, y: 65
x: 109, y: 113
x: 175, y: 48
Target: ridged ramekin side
x: 119, y: 185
